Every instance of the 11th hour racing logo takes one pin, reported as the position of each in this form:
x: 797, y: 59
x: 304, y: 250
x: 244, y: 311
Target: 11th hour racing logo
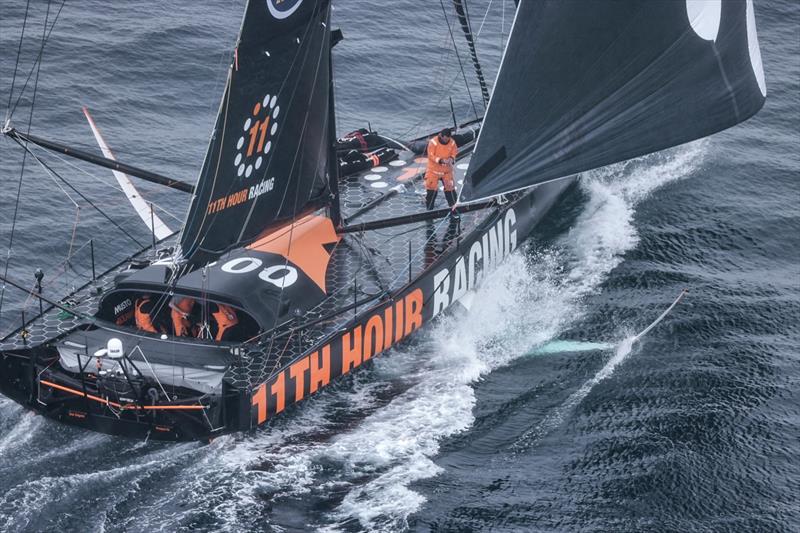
x: 256, y: 141
x: 280, y: 9
x: 252, y: 149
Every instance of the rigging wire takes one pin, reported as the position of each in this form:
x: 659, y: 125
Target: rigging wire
x: 63, y: 267
x: 458, y: 56
x: 77, y: 210
x: 483, y: 20
x: 502, y: 25
x: 67, y: 263
x: 445, y: 91
x: 16, y: 63
x: 24, y: 154
x: 37, y: 62
x: 107, y: 183
x: 220, y: 78
x: 85, y: 198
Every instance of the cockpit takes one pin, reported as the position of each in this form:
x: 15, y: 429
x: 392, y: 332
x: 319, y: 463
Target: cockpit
x: 178, y: 316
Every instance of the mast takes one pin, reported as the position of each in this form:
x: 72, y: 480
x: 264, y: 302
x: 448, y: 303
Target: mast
x: 333, y: 160
x: 466, y: 27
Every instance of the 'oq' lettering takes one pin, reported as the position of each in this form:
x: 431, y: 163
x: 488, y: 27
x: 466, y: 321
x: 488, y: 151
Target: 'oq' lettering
x: 279, y: 275
x: 241, y: 265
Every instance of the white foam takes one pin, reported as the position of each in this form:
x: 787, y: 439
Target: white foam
x: 33, y: 499
x: 520, y: 308
x: 20, y: 434
x: 378, y: 458
x: 524, y: 304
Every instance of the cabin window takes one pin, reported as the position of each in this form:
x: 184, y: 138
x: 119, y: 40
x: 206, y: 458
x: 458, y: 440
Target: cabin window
x: 178, y: 316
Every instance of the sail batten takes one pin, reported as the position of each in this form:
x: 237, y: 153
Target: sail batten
x: 588, y: 84
x: 267, y: 160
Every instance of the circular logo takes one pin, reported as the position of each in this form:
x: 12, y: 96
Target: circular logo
x: 280, y: 9
x: 256, y: 142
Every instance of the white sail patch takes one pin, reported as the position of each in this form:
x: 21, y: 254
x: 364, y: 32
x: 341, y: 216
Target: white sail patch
x: 704, y: 17
x: 755, y: 51
x: 142, y: 207
x: 281, y: 9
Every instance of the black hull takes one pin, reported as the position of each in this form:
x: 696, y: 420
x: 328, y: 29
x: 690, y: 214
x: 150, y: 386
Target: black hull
x: 31, y: 376
x: 18, y: 382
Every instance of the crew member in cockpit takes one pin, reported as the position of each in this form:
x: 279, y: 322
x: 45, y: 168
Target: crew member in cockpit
x: 225, y: 320
x: 181, y: 311
x: 143, y: 314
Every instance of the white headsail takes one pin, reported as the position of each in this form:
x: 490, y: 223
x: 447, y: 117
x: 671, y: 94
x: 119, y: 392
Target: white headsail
x: 143, y: 208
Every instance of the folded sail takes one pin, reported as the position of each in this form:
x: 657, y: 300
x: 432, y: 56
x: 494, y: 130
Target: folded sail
x: 584, y: 84
x: 267, y: 159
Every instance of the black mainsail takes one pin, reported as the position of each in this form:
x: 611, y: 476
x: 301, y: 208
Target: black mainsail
x: 267, y: 159
x: 586, y: 84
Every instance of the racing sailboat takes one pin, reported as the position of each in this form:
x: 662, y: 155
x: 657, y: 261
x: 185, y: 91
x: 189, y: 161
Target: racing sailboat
x: 303, y: 256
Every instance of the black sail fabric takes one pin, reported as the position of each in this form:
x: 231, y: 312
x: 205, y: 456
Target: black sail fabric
x: 267, y: 159
x: 584, y: 84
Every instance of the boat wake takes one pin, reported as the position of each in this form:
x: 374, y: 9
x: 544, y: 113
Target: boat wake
x: 348, y: 458
x: 17, y: 435
x: 557, y: 416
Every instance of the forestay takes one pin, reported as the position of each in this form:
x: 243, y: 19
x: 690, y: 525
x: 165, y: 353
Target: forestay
x: 586, y: 84
x: 267, y: 159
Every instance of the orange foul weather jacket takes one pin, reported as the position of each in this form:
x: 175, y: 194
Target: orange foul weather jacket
x: 226, y: 318
x: 144, y: 320
x: 437, y: 168
x: 181, y: 323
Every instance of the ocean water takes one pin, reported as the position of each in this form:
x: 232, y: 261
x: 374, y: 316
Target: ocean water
x: 535, y: 411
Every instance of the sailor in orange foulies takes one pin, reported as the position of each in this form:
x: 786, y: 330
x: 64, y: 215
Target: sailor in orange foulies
x: 143, y: 314
x: 181, y: 321
x: 225, y: 318
x: 442, y: 151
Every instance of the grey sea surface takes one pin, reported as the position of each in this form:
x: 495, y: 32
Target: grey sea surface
x: 531, y: 413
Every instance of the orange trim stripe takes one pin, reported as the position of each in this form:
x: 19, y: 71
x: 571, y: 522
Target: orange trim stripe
x: 165, y: 407
x: 117, y: 405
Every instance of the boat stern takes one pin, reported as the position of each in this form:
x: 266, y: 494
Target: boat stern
x: 126, y: 385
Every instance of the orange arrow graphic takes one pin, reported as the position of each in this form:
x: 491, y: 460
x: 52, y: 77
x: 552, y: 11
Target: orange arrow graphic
x: 302, y: 243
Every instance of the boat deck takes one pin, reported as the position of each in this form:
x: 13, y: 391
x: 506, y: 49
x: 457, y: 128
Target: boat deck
x: 364, y: 268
